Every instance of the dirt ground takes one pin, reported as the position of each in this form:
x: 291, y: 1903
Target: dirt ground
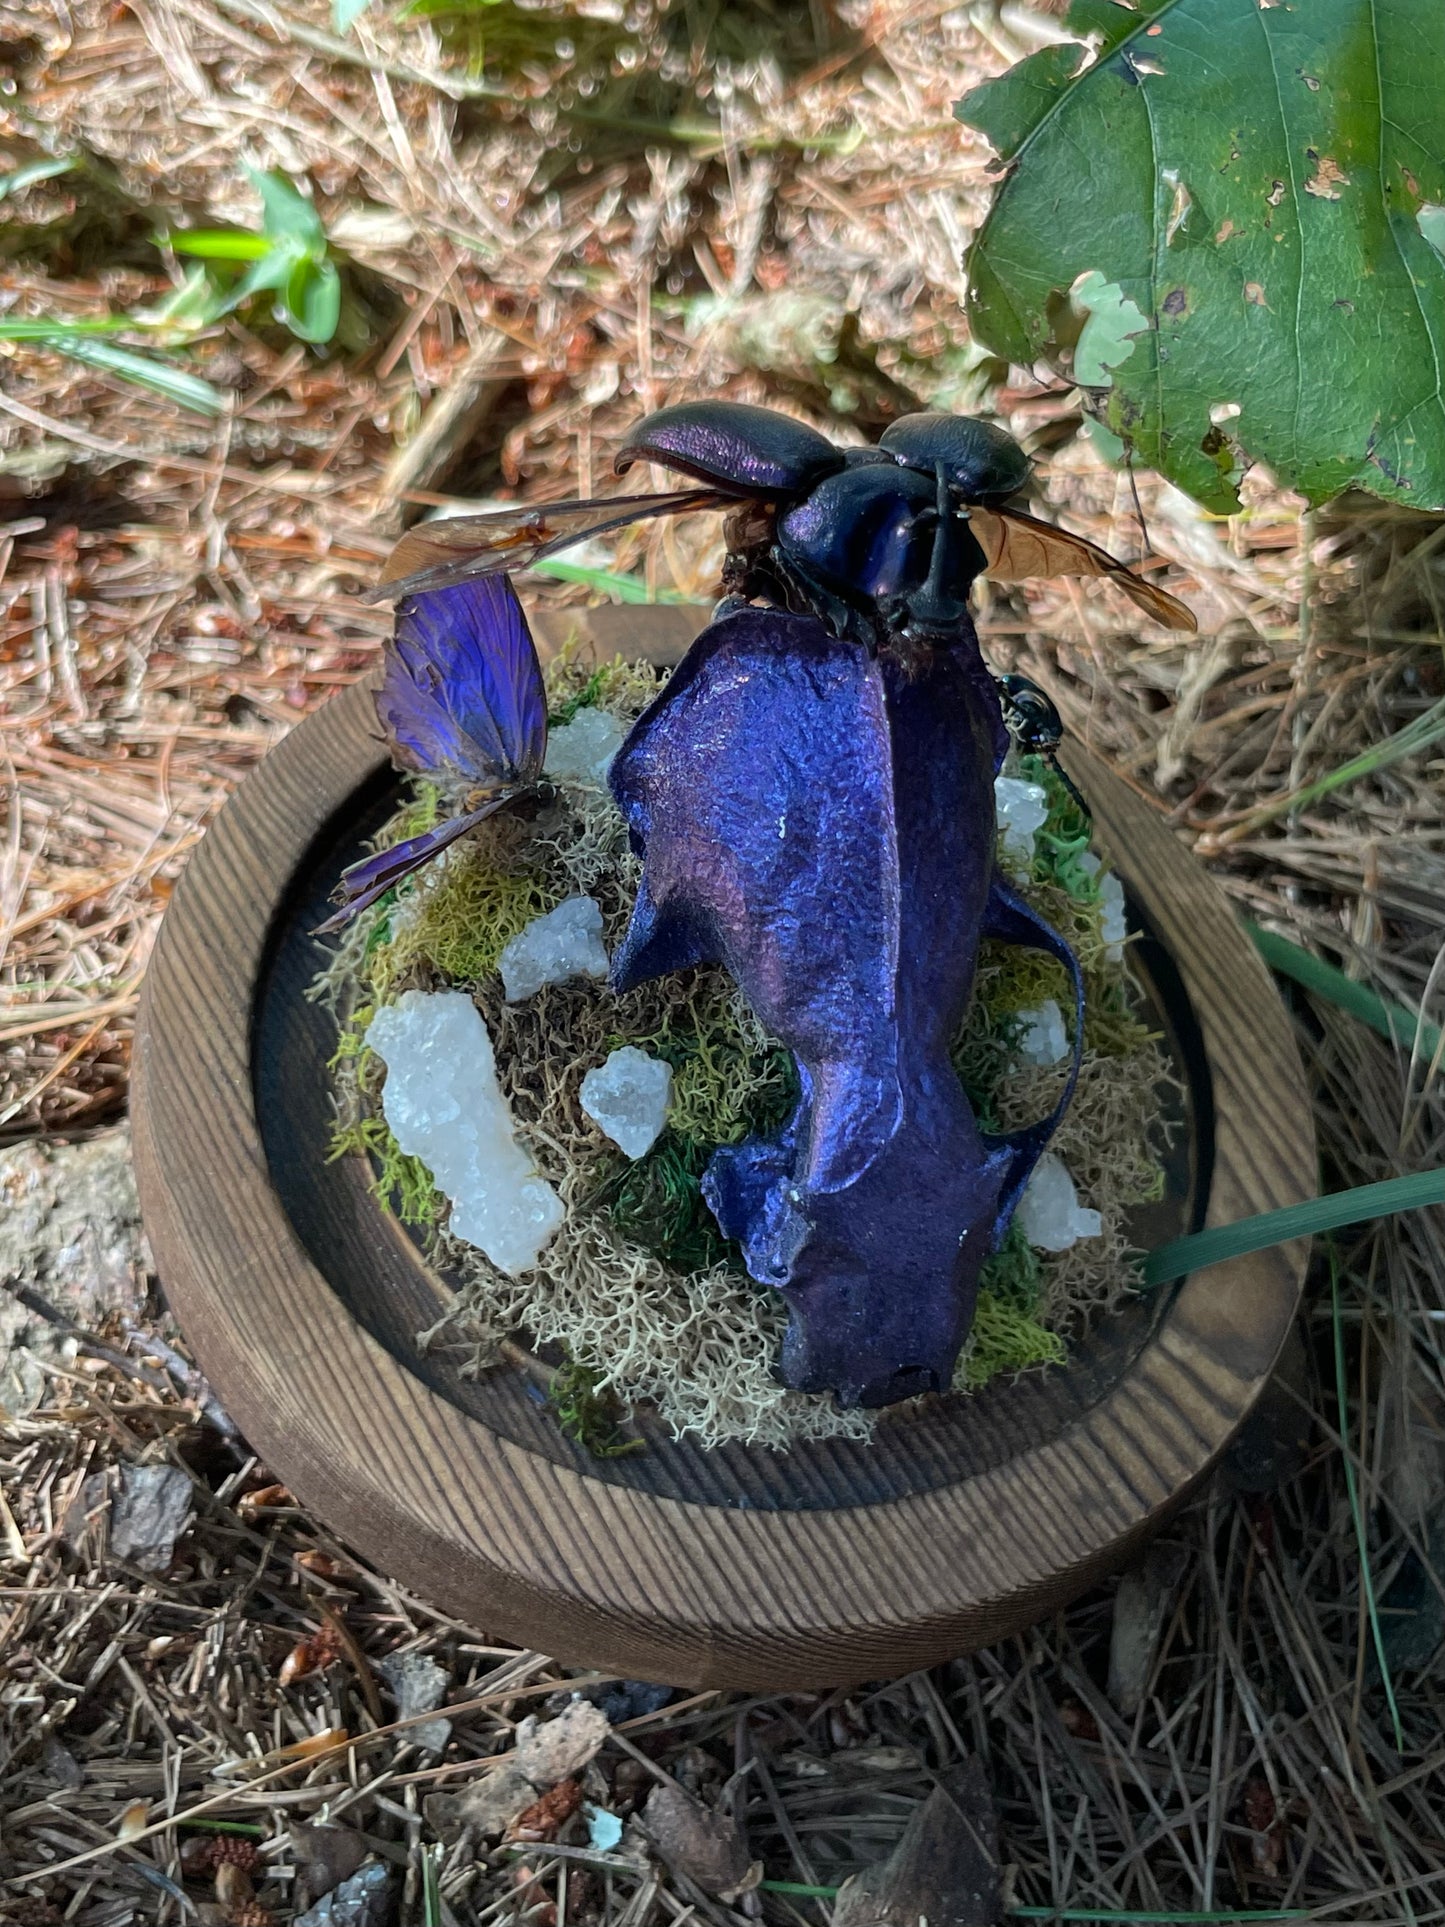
x: 549, y: 221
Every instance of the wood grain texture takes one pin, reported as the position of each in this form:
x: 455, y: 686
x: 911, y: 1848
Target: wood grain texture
x: 966, y: 1522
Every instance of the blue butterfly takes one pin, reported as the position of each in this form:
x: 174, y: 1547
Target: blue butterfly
x: 462, y: 701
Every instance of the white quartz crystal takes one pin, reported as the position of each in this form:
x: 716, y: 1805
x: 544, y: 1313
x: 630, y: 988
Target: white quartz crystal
x: 445, y: 1106
x: 1021, y: 808
x: 566, y: 942
x: 582, y: 751
x: 1050, y: 1215
x: 1113, y: 922
x: 627, y: 1097
x: 1042, y: 1036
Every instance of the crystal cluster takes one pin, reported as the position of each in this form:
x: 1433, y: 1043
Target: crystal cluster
x: 1049, y: 1214
x: 581, y: 751
x: 1113, y: 921
x: 565, y: 943
x: 627, y: 1097
x: 1020, y: 809
x: 445, y: 1106
x: 1042, y: 1037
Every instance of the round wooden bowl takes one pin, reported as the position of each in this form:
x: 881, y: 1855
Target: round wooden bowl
x: 962, y: 1520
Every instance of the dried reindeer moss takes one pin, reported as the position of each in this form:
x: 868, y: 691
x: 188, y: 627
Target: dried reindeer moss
x: 638, y: 1292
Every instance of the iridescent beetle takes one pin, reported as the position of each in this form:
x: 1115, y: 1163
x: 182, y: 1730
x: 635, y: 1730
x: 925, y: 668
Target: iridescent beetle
x: 883, y: 543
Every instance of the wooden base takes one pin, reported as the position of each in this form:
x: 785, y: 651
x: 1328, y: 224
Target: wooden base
x: 962, y: 1521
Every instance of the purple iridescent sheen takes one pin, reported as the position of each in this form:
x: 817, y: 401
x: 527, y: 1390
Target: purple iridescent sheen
x: 746, y: 450
x: 822, y: 824
x: 462, y: 693
x: 461, y: 700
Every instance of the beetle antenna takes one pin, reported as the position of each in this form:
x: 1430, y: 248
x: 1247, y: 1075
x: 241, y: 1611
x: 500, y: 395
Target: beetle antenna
x: 1134, y: 491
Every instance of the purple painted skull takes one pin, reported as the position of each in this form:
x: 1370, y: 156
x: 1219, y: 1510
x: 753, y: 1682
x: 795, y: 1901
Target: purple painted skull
x: 821, y: 822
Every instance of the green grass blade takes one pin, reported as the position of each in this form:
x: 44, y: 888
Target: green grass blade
x: 188, y: 390
x: 626, y: 588
x: 431, y: 1898
x: 1425, y: 731
x: 34, y: 171
x: 1315, y: 1215
x: 219, y: 244
x: 1356, y: 1510
x: 1390, y: 1019
x: 41, y: 328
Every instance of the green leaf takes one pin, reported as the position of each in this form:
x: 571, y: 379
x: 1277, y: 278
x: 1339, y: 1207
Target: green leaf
x: 1007, y: 110
x: 219, y: 244
x: 312, y: 301
x: 287, y: 216
x: 1212, y: 1247
x: 195, y: 304
x: 22, y: 328
x: 188, y: 390
x: 1107, y: 21
x: 1266, y: 186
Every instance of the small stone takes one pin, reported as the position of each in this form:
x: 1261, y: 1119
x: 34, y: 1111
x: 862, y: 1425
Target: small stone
x: 627, y: 1097
x: 70, y: 1226
x: 367, y: 1899
x: 445, y: 1106
x: 148, y: 1514
x: 551, y: 1750
x: 1113, y: 918
x: 581, y: 751
x: 418, y: 1684
x: 1042, y: 1036
x: 1050, y: 1215
x: 565, y: 943
x: 1021, y: 809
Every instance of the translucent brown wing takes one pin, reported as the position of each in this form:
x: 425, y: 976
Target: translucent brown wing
x: 437, y: 555
x: 1018, y: 546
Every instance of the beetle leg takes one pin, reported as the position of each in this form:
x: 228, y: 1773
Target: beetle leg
x: 1069, y: 784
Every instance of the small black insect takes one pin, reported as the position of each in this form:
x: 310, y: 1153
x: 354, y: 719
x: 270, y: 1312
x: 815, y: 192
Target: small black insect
x: 883, y: 543
x: 1037, y: 727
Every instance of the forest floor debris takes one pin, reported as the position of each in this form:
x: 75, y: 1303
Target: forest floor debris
x: 177, y: 590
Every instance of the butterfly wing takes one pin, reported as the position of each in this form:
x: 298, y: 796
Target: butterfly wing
x: 364, y: 882
x: 436, y: 555
x: 462, y: 687
x: 1018, y: 546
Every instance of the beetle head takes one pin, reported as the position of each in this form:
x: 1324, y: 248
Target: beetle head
x: 982, y: 462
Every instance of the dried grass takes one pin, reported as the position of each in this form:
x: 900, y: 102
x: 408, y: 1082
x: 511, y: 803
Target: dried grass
x: 178, y: 593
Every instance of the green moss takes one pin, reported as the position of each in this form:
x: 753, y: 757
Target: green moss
x: 1006, y: 1335
x: 726, y: 1085
x: 626, y: 688
x: 402, y: 1183
x: 587, y: 1415
x: 469, y: 914
x: 1064, y: 837
x: 586, y: 697
x: 656, y: 1201
x: 1005, y: 1339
